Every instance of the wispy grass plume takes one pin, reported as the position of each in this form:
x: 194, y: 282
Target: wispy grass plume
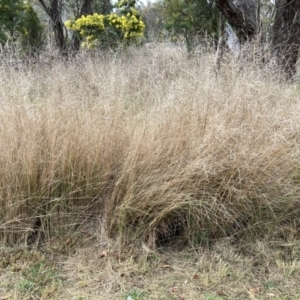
x: 151, y: 143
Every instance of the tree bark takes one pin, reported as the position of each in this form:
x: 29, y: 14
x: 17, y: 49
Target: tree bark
x: 221, y: 44
x: 86, y: 8
x: 241, y: 15
x: 54, y: 11
x: 286, y: 36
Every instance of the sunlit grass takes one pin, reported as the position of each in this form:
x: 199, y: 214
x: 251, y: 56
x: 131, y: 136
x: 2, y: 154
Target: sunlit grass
x: 149, y: 144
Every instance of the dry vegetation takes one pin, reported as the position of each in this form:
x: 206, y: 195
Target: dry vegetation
x: 113, y: 158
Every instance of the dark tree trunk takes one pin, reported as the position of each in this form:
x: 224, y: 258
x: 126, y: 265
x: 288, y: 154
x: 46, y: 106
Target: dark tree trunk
x: 286, y: 36
x: 86, y: 8
x: 241, y: 15
x: 58, y: 25
x: 54, y: 11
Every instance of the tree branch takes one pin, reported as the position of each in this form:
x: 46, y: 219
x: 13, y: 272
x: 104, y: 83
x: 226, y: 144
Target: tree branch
x: 45, y: 7
x: 241, y: 15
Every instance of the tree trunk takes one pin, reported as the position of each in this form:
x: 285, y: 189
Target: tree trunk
x: 221, y: 44
x: 86, y: 8
x: 241, y: 15
x: 58, y: 25
x: 286, y: 36
x: 54, y: 11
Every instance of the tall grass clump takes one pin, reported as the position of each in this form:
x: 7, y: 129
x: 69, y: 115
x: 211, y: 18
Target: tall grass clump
x: 151, y: 144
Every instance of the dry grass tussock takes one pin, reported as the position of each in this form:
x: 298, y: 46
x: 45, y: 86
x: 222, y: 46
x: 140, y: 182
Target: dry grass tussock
x: 151, y: 145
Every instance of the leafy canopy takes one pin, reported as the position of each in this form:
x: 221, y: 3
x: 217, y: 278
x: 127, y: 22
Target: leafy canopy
x: 188, y: 19
x: 19, y: 23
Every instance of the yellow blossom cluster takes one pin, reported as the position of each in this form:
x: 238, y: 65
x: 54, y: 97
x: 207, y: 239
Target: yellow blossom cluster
x: 109, y: 29
x: 129, y: 25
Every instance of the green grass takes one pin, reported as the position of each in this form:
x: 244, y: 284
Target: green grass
x: 29, y: 274
x: 135, y: 294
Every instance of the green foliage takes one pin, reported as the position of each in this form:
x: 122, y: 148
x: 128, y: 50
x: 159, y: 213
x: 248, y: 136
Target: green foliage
x: 189, y: 19
x: 108, y: 31
x: 38, y: 278
x: 102, y: 6
x: 135, y: 294
x: 20, y: 24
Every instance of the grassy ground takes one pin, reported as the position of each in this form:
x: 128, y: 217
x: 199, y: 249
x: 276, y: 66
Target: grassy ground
x: 258, y: 270
x: 146, y: 176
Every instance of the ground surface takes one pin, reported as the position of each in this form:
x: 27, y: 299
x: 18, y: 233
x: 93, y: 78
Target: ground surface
x: 101, y: 271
